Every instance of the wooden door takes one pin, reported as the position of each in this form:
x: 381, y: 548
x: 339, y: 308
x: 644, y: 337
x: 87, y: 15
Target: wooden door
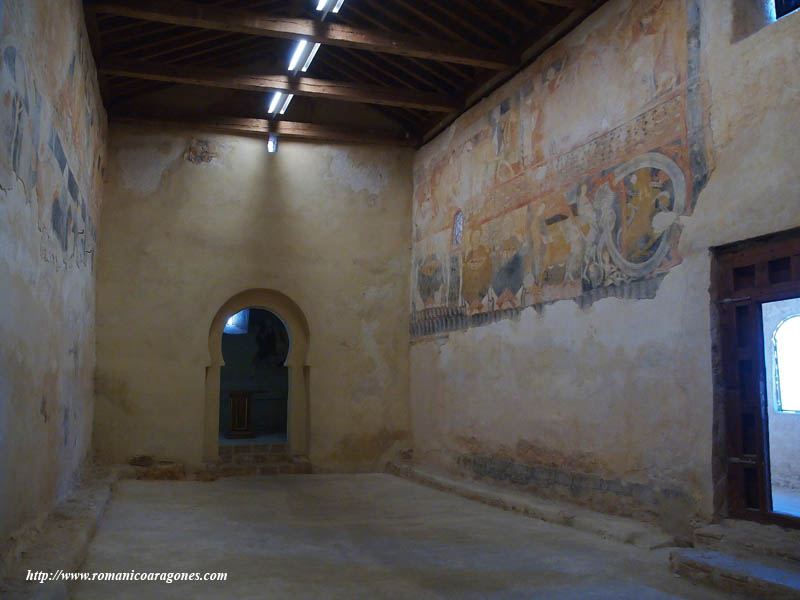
x: 747, y: 274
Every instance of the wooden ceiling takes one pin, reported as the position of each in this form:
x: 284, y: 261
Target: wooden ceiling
x: 419, y: 64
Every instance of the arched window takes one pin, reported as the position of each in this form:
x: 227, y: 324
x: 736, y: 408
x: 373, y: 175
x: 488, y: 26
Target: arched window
x: 786, y: 342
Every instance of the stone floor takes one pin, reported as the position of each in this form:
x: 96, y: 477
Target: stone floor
x: 356, y: 536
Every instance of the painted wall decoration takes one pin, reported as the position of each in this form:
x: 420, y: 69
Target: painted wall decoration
x: 570, y: 181
x: 52, y: 148
x: 36, y: 132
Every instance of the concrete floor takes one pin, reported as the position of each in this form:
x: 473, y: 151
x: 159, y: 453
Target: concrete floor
x: 356, y: 536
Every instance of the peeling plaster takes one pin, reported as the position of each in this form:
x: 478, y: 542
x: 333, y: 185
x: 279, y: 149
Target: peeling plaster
x: 366, y: 174
x: 142, y: 169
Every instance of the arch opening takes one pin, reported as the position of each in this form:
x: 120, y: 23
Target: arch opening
x: 285, y: 350
x: 254, y: 381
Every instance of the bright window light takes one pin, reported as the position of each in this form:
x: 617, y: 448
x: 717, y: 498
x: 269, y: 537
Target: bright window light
x: 787, y: 350
x: 237, y: 324
x: 272, y: 144
x: 286, y: 104
x: 273, y: 106
x: 311, y: 56
x: 298, y: 54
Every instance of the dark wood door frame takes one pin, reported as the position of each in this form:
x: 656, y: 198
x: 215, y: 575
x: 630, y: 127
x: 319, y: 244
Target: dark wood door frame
x: 745, y: 275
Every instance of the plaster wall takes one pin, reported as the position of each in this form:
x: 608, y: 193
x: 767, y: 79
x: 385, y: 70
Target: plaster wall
x: 784, y: 427
x: 578, y: 363
x: 191, y: 219
x: 52, y: 143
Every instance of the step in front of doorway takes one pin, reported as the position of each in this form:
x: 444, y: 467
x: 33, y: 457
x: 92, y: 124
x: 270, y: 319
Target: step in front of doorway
x: 763, y: 578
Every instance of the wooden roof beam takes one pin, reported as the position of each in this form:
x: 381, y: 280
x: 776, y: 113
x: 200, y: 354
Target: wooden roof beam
x: 581, y: 4
x: 178, y: 12
x: 283, y: 129
x: 301, y: 86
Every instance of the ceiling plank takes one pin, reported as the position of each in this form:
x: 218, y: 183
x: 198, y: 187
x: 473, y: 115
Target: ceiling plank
x: 404, y: 22
x: 455, y: 17
x: 518, y: 15
x: 166, y: 45
x: 97, y: 51
x: 302, y: 86
x: 178, y: 12
x: 407, y: 118
x: 284, y: 129
x: 567, y: 3
x: 353, y: 72
x: 421, y: 64
x: 486, y: 16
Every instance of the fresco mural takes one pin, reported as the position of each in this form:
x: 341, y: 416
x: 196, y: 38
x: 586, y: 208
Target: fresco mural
x: 52, y: 143
x: 33, y: 152
x: 565, y: 187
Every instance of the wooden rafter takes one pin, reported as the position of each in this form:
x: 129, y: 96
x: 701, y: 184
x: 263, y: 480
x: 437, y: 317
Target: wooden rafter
x: 302, y: 86
x: 283, y: 129
x: 424, y: 65
x: 188, y: 14
x: 418, y: 62
x: 351, y: 73
x: 579, y: 4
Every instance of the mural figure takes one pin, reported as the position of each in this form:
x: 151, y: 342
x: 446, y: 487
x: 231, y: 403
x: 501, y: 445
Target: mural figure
x: 588, y: 233
x: 505, y: 134
x: 557, y: 250
x: 507, y: 281
x: 476, y: 273
x: 637, y: 219
x: 429, y: 279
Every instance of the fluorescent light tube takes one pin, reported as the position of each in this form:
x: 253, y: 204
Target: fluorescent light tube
x: 298, y: 53
x: 311, y: 56
x: 321, y: 4
x: 276, y: 98
x: 286, y: 104
x: 338, y: 6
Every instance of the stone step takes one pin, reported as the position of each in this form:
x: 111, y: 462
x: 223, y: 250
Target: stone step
x: 60, y: 542
x: 249, y: 449
x: 297, y: 465
x: 145, y: 467
x: 620, y: 529
x: 234, y: 461
x: 749, y: 539
x: 764, y: 578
